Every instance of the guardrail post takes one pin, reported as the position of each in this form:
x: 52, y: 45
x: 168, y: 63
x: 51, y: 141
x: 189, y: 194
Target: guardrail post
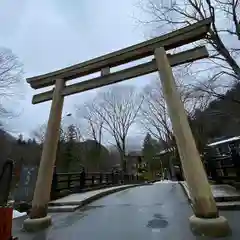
x: 225, y: 172
x: 82, y: 179
x: 113, y: 178
x: 237, y: 170
x: 69, y: 181
x: 124, y: 178
x: 93, y: 180
x: 107, y: 178
x: 54, y: 184
x: 117, y: 178
x: 100, y: 178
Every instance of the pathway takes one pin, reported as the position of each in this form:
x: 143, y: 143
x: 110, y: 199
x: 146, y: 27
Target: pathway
x: 158, y: 211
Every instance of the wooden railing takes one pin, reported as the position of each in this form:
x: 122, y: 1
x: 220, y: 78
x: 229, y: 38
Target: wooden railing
x: 80, y: 181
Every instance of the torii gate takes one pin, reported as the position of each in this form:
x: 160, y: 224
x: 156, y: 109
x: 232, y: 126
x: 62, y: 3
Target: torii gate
x: 205, y: 219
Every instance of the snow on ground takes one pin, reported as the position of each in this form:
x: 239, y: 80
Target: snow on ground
x: 17, y: 214
x: 165, y: 181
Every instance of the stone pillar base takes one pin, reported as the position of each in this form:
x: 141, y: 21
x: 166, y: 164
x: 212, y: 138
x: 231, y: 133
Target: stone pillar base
x: 33, y: 225
x: 211, y: 227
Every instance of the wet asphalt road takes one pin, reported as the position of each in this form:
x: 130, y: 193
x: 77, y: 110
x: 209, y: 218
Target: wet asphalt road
x: 158, y: 211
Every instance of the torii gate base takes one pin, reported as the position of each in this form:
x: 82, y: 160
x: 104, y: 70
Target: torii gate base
x: 206, y: 220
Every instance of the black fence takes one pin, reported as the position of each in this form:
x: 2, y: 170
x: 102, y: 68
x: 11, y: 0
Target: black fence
x: 81, y: 181
x: 223, y: 170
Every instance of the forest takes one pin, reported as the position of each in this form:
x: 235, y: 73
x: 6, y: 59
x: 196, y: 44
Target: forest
x: 98, y: 135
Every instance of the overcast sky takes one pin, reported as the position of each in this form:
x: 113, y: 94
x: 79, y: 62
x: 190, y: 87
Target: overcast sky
x: 50, y: 34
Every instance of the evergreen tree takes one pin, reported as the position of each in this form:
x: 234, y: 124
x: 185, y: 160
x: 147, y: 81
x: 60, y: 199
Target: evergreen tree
x: 69, y: 147
x: 149, y: 151
x: 20, y: 139
x: 34, y: 141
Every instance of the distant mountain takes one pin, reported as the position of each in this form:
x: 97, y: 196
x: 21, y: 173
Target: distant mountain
x: 133, y: 144
x: 6, y: 143
x: 85, y: 154
x: 7, y: 136
x: 90, y: 145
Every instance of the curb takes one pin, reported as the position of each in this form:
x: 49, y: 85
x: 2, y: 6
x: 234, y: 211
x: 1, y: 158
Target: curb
x: 222, y: 203
x: 69, y: 192
x: 227, y: 199
x: 76, y: 205
x: 66, y: 193
x: 186, y: 192
x: 228, y: 206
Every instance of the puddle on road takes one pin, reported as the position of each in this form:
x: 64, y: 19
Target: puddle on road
x: 158, y: 222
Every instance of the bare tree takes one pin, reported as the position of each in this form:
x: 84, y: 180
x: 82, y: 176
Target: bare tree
x: 154, y: 114
x: 93, y: 124
x: 10, y: 76
x: 78, y: 133
x: 93, y: 129
x: 39, y: 133
x: 222, y: 40
x: 117, y: 108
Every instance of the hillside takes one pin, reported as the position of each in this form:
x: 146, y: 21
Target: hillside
x: 7, y: 136
x: 69, y: 155
x: 6, y: 143
x: 221, y: 118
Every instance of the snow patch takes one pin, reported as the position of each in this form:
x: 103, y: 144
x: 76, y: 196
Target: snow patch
x: 17, y: 214
x: 165, y: 181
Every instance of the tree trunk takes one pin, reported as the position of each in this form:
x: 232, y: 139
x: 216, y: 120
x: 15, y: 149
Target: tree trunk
x: 217, y: 43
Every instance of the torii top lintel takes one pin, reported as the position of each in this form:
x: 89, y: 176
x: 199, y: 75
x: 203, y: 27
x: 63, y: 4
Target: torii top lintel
x: 171, y: 40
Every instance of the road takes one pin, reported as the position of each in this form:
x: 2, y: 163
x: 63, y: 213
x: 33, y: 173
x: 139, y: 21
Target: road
x: 158, y: 211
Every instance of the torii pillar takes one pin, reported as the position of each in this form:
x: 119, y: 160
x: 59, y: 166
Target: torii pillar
x: 206, y: 220
x: 38, y: 218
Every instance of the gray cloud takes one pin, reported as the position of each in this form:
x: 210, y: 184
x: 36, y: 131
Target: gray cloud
x: 50, y: 34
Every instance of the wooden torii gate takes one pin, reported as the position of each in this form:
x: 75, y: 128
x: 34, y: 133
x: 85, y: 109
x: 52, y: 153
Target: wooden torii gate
x: 206, y: 219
